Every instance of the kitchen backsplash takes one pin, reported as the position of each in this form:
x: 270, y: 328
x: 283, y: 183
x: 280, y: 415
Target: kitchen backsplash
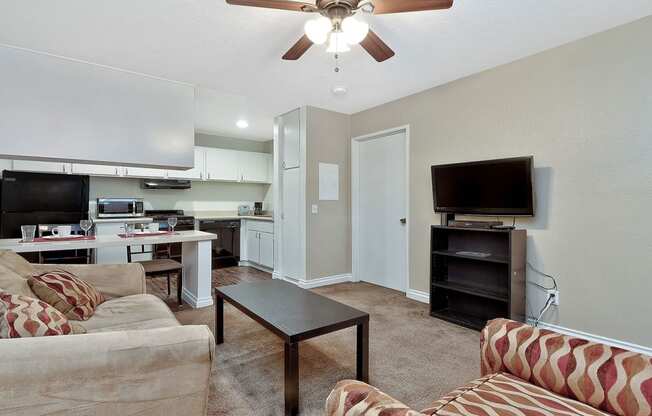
x: 204, y: 196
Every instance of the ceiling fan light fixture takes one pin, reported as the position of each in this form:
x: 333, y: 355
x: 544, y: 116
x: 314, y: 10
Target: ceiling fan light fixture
x: 318, y: 29
x: 338, y: 43
x: 355, y: 31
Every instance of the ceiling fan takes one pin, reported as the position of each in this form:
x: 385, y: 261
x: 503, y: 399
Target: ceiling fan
x: 337, y: 25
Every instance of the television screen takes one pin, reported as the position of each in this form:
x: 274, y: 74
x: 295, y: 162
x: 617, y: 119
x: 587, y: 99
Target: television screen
x: 491, y: 187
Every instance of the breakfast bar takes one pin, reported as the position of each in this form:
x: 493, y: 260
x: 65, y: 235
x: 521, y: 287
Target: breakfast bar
x: 196, y: 252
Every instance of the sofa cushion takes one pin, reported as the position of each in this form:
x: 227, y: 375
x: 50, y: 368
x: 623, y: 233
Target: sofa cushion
x: 129, y: 313
x: 505, y: 394
x: 25, y: 317
x: 12, y: 282
x: 14, y: 261
x: 71, y: 296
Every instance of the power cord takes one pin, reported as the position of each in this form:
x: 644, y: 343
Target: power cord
x: 551, y: 297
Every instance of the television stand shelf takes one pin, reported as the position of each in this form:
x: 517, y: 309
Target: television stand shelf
x: 477, y: 274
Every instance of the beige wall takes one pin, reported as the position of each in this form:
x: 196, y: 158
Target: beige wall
x: 329, y: 232
x: 584, y: 111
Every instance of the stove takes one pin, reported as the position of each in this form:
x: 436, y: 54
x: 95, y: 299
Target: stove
x: 184, y: 222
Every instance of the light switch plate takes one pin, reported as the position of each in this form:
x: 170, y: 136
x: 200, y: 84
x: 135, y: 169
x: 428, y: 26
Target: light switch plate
x: 315, y: 209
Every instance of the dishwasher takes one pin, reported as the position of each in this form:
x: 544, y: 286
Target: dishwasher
x: 225, y: 250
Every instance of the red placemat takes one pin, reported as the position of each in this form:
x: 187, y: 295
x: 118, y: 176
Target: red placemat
x: 58, y: 239
x: 154, y: 234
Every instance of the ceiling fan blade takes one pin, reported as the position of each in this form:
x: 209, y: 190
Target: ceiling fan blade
x: 298, y: 49
x: 376, y: 47
x: 276, y: 4
x: 401, y: 6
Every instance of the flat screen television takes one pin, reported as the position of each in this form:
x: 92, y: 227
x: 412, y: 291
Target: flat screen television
x: 490, y: 187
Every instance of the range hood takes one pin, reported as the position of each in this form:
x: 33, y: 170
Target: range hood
x: 166, y: 184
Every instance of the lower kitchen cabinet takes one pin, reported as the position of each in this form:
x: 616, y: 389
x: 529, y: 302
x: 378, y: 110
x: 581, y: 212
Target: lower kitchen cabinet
x: 259, y: 243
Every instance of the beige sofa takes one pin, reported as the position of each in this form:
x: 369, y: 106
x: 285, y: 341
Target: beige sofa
x: 135, y: 359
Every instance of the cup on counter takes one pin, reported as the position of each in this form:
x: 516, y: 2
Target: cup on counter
x: 28, y: 232
x: 153, y: 227
x: 62, y: 231
x: 129, y: 229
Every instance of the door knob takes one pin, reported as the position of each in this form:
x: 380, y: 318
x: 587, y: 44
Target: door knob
x: 403, y: 220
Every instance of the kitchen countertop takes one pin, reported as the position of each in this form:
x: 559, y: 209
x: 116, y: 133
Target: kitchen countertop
x: 228, y: 215
x: 100, y: 241
x: 139, y: 220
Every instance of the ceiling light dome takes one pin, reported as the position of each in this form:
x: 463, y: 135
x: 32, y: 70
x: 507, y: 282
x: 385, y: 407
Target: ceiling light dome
x: 338, y: 43
x: 354, y: 30
x: 318, y: 29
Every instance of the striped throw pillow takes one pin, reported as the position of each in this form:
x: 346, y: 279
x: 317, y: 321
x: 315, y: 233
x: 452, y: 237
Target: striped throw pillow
x: 67, y: 293
x: 24, y: 317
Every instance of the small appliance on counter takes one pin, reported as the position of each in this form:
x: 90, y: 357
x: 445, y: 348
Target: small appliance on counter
x: 258, y: 208
x: 245, y: 210
x: 120, y: 208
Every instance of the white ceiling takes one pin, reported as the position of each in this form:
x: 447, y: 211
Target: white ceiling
x: 233, y: 53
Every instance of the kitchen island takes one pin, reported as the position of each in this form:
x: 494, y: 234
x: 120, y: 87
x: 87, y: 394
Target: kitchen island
x: 196, y: 248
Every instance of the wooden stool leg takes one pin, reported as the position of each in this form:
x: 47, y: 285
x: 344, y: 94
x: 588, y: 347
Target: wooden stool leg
x: 179, y: 285
x: 168, y: 284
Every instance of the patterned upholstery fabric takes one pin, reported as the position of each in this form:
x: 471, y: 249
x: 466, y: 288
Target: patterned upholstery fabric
x: 23, y: 317
x: 607, y: 378
x: 526, y: 372
x: 71, y: 296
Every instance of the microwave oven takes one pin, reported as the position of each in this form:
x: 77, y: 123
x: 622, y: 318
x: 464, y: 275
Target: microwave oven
x: 120, y: 208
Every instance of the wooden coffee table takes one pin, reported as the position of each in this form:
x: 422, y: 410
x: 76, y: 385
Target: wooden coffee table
x: 295, y: 315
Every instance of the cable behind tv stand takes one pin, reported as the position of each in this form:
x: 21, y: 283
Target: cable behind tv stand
x: 477, y: 274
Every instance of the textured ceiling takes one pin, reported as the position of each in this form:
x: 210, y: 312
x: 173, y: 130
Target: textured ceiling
x: 233, y: 53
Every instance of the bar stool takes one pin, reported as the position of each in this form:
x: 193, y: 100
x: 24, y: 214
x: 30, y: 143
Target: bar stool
x: 162, y: 265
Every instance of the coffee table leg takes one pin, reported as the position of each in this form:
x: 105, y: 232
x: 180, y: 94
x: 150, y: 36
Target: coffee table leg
x: 291, y: 379
x: 362, y: 352
x: 219, y: 320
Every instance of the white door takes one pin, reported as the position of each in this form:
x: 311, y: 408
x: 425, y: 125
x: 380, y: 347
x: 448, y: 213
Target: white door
x: 292, y: 256
x: 381, y: 210
x: 197, y: 172
x: 253, y: 246
x: 253, y: 166
x: 290, y: 131
x: 95, y: 170
x: 222, y: 165
x: 36, y: 166
x: 266, y: 250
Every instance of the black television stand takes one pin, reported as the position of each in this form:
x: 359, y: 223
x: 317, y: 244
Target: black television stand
x: 477, y: 274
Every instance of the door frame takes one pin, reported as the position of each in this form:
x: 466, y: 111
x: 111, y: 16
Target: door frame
x: 355, y: 203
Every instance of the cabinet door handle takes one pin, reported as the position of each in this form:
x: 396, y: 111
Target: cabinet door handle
x: 127, y: 171
x: 201, y: 175
x: 63, y: 167
x: 116, y: 171
x: 209, y: 175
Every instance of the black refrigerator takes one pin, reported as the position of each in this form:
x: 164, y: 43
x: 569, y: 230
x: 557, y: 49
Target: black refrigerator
x: 42, y: 198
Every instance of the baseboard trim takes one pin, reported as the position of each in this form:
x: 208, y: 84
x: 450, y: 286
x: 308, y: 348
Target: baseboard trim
x: 314, y: 283
x: 256, y: 266
x: 195, y: 303
x: 595, y: 338
x: 419, y: 296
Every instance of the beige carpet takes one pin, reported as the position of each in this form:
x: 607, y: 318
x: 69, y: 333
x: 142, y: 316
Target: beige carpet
x: 413, y: 357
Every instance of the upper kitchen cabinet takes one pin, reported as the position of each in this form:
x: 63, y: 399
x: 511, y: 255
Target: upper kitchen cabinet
x: 38, y: 166
x: 145, y: 173
x: 5, y: 164
x: 222, y: 165
x: 254, y: 167
x: 289, y: 134
x: 95, y: 170
x: 195, y: 173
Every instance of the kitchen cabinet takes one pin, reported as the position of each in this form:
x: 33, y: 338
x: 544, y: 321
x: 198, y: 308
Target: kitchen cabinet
x: 96, y: 170
x: 267, y: 250
x: 258, y: 243
x: 5, y: 164
x: 254, y: 167
x: 145, y: 173
x: 289, y: 131
x: 222, y: 165
x: 38, y: 166
x: 195, y: 173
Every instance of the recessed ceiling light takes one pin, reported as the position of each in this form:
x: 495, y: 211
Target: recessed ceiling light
x: 243, y: 124
x: 340, y: 90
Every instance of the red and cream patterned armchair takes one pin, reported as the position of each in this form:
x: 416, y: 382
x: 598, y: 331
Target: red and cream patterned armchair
x: 526, y: 371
